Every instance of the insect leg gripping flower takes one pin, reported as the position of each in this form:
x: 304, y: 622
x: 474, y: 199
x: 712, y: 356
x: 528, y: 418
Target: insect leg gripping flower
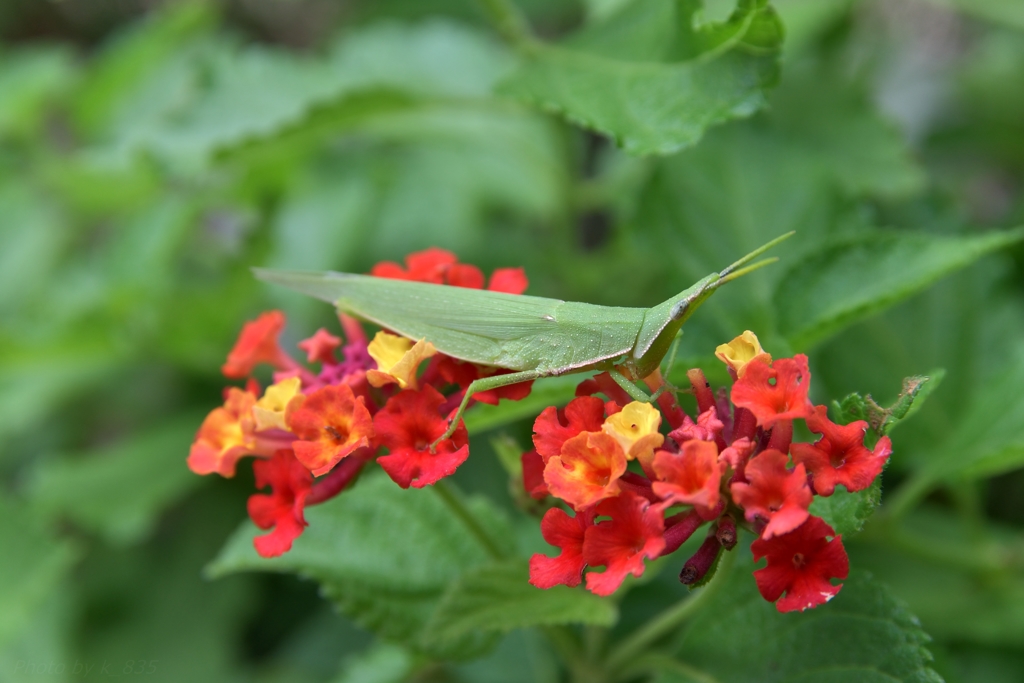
x: 314, y: 429
x: 635, y: 478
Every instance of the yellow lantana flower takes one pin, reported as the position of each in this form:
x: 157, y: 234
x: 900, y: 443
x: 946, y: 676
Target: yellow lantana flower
x: 397, y: 360
x: 270, y: 410
x: 739, y: 353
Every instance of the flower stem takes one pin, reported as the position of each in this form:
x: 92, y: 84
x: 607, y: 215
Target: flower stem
x: 668, y: 620
x: 507, y: 19
x: 454, y: 502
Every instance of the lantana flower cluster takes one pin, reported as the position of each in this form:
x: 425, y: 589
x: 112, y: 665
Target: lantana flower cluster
x: 637, y: 494
x: 320, y: 422
x: 623, y: 487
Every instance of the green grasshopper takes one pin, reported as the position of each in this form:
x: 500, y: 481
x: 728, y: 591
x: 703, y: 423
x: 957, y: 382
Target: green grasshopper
x: 532, y: 336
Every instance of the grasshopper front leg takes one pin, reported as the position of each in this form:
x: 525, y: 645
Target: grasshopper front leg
x: 485, y: 384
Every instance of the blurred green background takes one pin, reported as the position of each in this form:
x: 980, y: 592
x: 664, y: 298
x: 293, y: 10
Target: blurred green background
x: 151, y: 152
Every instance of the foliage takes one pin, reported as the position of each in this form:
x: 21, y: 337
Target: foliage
x: 619, y: 150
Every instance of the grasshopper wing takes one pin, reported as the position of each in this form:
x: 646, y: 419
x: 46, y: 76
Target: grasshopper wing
x: 469, y: 324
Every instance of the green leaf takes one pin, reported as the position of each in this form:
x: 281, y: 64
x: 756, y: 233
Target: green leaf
x: 847, y: 512
x: 523, y: 656
x: 382, y: 663
x: 29, y: 79
x: 836, y: 125
x: 259, y: 92
x: 499, y: 598
x: 151, y: 605
x: 119, y: 492
x: 882, y: 420
x: 132, y: 58
x: 852, y: 278
x: 44, y: 640
x: 1000, y: 11
x: 622, y: 77
x: 33, y: 382
x: 988, y: 438
x: 34, y: 563
x: 864, y: 634
x: 384, y: 555
x: 961, y: 578
x: 29, y: 256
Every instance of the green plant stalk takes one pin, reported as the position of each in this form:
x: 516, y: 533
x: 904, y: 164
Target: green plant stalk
x: 507, y: 19
x: 907, y: 497
x: 455, y: 504
x: 562, y: 639
x: 668, y: 620
x: 656, y: 661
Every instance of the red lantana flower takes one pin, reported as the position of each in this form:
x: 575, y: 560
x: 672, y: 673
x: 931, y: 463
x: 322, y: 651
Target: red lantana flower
x: 533, y: 475
x: 774, y: 493
x: 225, y: 435
x: 839, y: 456
x: 706, y: 428
x: 565, y: 532
x: 257, y: 344
x: 554, y: 427
x: 775, y: 392
x: 587, y: 470
x: 737, y: 454
x: 508, y: 280
x: 406, y: 426
x: 331, y: 423
x: 281, y: 510
x: 441, y: 267
x: 320, y: 347
x: 635, y: 531
x: 801, y: 564
x: 690, y: 477
x: 429, y: 265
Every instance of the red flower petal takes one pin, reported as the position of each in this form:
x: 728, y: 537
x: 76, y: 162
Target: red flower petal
x: 465, y: 275
x: 454, y: 371
x: 801, y: 564
x: 332, y: 422
x: 737, y: 455
x: 257, y: 344
x: 409, y: 422
x: 635, y: 531
x: 565, y: 532
x: 840, y: 457
x: 587, y: 470
x: 553, y: 427
x: 690, y: 477
x: 390, y: 270
x: 775, y: 392
x: 281, y: 510
x: 774, y: 493
x: 706, y: 428
x: 225, y: 435
x: 320, y: 347
x: 533, y: 475
x: 508, y: 280
x: 429, y: 265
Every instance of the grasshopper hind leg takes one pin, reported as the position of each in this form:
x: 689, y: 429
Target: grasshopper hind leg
x: 485, y: 384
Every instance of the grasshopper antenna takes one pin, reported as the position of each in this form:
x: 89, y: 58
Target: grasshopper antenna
x: 737, y: 269
x: 743, y: 271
